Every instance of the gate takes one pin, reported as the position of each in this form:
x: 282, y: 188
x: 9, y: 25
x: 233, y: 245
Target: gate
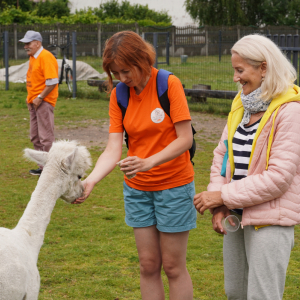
x: 159, y: 43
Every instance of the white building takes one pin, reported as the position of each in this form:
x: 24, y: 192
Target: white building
x: 175, y: 8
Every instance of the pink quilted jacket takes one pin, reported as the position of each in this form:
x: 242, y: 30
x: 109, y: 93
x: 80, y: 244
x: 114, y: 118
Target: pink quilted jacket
x: 269, y: 197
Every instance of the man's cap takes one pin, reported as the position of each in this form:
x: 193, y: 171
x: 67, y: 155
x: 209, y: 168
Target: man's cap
x: 30, y: 36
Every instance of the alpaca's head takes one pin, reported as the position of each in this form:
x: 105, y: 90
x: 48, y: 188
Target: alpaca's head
x: 65, y: 164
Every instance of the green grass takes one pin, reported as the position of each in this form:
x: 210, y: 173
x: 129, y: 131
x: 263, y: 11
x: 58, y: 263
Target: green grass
x: 197, y: 70
x: 89, y: 252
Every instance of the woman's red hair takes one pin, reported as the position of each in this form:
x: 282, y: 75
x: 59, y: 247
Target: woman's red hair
x: 128, y: 49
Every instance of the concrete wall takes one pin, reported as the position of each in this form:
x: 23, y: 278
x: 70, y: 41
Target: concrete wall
x: 174, y: 8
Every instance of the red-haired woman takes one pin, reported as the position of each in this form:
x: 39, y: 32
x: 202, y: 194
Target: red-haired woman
x: 159, y: 198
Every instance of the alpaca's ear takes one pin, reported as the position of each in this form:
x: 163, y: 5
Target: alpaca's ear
x: 40, y: 157
x: 67, y: 162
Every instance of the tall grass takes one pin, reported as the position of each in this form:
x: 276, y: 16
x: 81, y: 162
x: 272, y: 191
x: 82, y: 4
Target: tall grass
x: 89, y: 252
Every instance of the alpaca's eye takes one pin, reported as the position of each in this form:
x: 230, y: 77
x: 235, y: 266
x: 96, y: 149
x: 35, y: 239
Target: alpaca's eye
x: 79, y: 177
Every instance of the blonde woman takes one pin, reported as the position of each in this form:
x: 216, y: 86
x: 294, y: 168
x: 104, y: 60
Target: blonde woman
x: 260, y: 180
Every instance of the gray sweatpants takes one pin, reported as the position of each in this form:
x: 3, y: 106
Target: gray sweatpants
x: 255, y: 262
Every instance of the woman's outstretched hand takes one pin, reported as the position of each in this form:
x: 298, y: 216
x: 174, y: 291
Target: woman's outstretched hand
x: 206, y: 200
x: 133, y: 164
x: 219, y: 213
x: 88, y: 187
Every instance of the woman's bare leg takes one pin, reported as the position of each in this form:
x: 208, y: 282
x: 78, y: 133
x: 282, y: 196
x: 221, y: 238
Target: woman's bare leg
x: 148, y: 246
x: 173, y: 249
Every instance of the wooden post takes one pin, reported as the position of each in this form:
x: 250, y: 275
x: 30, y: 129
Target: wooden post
x: 58, y: 40
x: 137, y: 30
x: 173, y: 41
x: 15, y: 41
x: 99, y: 40
x: 206, y: 41
x: 196, y: 98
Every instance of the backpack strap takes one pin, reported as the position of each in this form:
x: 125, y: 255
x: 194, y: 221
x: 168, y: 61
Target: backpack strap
x: 162, y: 93
x: 122, y: 92
x: 162, y: 89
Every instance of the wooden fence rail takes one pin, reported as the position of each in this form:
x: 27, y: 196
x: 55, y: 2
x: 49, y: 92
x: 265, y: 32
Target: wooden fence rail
x: 188, y: 92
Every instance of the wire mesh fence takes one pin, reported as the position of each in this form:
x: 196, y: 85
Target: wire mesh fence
x: 198, y: 56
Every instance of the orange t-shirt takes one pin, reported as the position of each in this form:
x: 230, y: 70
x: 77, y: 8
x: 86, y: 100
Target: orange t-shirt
x: 40, y: 69
x: 150, y: 130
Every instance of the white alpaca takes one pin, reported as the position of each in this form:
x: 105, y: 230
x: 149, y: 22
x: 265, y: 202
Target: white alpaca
x: 64, y: 165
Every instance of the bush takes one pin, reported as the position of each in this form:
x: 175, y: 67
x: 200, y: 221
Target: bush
x: 111, y: 12
x: 126, y: 11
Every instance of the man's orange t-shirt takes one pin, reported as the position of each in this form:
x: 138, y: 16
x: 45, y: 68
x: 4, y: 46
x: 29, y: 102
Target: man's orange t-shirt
x: 150, y: 130
x: 40, y: 69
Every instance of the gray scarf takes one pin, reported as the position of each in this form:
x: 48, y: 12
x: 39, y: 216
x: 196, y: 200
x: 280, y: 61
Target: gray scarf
x: 253, y: 104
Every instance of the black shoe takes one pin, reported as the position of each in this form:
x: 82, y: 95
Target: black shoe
x: 36, y: 172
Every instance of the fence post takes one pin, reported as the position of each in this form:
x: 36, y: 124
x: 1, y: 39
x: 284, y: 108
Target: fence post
x: 282, y: 40
x: 206, y: 41
x: 173, y: 41
x: 155, y: 38
x: 238, y: 32
x: 137, y: 30
x: 168, y: 49
x: 220, y: 45
x: 295, y: 53
x: 68, y: 43
x: 275, y: 39
x: 74, y: 63
x: 15, y: 41
x: 6, y: 60
x: 289, y: 44
x: 99, y: 40
x: 58, y: 40
x: 3, y: 48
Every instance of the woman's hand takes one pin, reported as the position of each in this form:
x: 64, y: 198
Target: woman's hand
x: 88, y: 187
x: 219, y: 213
x: 206, y: 200
x: 133, y: 164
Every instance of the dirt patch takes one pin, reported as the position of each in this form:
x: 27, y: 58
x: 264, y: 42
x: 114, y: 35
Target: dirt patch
x: 208, y: 127
x: 90, y: 136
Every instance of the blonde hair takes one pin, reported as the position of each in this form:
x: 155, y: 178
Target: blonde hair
x: 280, y: 73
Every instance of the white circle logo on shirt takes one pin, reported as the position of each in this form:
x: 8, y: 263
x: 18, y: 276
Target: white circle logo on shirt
x: 157, y: 115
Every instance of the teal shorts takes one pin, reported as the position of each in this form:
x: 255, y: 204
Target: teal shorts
x: 171, y: 210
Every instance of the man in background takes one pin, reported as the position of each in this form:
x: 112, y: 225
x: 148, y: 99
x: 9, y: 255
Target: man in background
x: 42, y: 92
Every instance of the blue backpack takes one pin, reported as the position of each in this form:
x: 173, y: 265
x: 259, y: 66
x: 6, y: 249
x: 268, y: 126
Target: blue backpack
x: 123, y: 93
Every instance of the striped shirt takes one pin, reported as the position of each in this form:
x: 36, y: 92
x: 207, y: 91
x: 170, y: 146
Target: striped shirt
x: 242, y: 145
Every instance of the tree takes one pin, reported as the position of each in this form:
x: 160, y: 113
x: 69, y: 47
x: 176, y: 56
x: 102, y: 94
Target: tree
x: 25, y: 5
x: 55, y: 8
x: 244, y: 12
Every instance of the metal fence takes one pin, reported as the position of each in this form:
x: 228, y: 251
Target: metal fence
x: 197, y: 55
